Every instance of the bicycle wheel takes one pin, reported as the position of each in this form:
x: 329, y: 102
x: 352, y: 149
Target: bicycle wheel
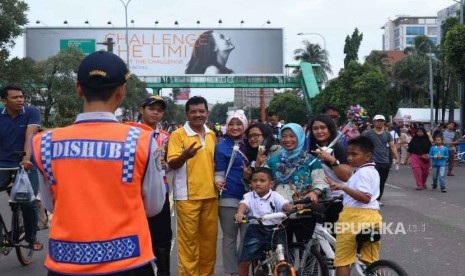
x: 285, y: 269
x: 307, y: 264
x: 385, y: 268
x: 17, y: 229
x: 4, y: 239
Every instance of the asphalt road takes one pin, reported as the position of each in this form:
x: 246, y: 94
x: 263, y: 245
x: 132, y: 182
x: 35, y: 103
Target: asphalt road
x: 426, y: 232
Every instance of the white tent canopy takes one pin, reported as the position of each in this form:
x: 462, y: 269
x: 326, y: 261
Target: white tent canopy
x: 423, y: 115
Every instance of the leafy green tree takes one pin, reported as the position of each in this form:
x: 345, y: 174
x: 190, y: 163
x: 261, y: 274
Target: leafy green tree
x: 135, y: 94
x: 313, y: 53
x: 446, y: 25
x: 352, y: 44
x: 410, y: 77
x: 174, y: 113
x: 12, y: 19
x: 289, y: 107
x: 218, y: 112
x: 59, y: 97
x: 455, y: 50
x: 360, y: 84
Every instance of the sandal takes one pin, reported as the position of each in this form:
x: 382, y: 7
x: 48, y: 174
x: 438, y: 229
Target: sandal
x: 35, y: 246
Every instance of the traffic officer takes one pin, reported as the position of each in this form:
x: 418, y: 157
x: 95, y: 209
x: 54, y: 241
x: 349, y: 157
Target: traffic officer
x: 103, y: 179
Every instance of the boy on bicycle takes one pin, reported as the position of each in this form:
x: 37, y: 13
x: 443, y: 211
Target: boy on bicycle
x: 259, y: 202
x: 360, y: 206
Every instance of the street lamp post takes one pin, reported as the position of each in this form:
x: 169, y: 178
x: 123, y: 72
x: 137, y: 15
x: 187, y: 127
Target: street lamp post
x: 462, y: 94
x: 460, y: 86
x: 318, y: 34
x: 431, y: 87
x: 127, y: 39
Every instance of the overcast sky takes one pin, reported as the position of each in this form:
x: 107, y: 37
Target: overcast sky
x: 333, y: 19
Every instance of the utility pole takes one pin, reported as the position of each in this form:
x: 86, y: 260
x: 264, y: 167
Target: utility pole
x: 431, y: 88
x: 462, y: 94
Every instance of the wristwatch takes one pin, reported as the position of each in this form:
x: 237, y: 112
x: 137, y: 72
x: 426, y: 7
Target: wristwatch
x: 335, y: 164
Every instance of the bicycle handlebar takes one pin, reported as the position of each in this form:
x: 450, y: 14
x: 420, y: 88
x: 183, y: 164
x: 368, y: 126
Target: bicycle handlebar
x: 277, y: 215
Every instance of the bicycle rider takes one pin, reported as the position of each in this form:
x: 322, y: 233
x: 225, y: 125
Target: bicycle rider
x: 259, y: 202
x: 361, y: 210
x: 18, y: 123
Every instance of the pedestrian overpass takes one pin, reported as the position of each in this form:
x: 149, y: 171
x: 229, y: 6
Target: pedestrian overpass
x: 309, y: 80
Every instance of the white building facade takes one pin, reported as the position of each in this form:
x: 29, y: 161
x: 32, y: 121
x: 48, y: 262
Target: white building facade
x: 400, y: 33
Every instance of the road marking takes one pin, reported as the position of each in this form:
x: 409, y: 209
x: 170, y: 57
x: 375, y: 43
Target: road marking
x: 395, y: 187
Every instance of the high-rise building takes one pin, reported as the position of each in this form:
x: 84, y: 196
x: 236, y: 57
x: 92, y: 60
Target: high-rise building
x: 443, y: 14
x: 250, y: 97
x: 400, y: 33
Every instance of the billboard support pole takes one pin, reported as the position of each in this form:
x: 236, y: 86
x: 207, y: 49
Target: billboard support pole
x: 262, y: 103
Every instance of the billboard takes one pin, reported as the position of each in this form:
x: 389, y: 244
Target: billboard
x: 172, y: 52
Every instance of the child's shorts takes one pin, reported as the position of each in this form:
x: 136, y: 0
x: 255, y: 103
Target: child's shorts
x: 351, y: 222
x: 257, y: 240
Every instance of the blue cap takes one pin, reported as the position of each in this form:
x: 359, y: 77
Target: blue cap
x: 102, y: 70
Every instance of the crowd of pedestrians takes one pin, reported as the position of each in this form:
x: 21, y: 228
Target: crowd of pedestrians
x: 115, y: 217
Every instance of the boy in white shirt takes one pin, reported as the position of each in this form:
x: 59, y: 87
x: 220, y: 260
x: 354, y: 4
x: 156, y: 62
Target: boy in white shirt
x: 259, y: 202
x: 360, y: 206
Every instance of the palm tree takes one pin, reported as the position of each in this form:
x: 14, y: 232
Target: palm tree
x: 313, y: 53
x: 420, y: 46
x: 379, y: 59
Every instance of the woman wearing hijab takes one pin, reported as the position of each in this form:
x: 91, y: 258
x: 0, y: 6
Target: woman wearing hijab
x: 230, y: 157
x: 418, y: 150
x: 297, y: 175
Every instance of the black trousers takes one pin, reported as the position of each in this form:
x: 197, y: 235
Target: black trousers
x: 383, y: 171
x: 302, y: 228
x: 161, y: 234
x: 145, y: 270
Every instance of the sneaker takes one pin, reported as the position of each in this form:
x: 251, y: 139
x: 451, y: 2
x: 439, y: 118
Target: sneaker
x: 434, y: 187
x: 443, y: 190
x: 450, y: 174
x: 380, y: 204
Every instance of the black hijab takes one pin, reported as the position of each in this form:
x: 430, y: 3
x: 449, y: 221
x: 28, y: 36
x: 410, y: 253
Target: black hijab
x: 419, y: 145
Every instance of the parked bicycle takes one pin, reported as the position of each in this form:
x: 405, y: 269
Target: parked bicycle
x: 14, y: 238
x: 460, y: 157
x: 316, y: 256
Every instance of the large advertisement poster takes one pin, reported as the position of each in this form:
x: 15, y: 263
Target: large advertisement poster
x: 174, y: 52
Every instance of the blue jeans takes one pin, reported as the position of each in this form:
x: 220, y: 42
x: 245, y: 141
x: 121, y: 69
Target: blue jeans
x: 29, y: 209
x: 439, y: 172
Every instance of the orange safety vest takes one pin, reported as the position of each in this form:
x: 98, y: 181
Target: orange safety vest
x: 96, y: 170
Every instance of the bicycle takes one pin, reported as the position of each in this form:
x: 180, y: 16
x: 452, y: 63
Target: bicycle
x: 459, y: 157
x: 273, y: 262
x: 319, y: 251
x: 15, y: 237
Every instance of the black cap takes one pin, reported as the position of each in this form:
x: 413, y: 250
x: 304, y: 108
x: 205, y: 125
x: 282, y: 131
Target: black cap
x: 153, y: 99
x: 102, y: 70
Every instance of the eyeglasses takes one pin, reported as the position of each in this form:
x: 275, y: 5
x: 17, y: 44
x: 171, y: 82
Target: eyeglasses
x: 254, y: 136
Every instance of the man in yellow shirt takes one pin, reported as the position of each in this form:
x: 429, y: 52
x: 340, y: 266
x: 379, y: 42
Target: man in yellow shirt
x: 190, y: 155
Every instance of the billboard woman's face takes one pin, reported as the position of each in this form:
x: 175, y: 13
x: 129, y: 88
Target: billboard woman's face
x: 223, y: 44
